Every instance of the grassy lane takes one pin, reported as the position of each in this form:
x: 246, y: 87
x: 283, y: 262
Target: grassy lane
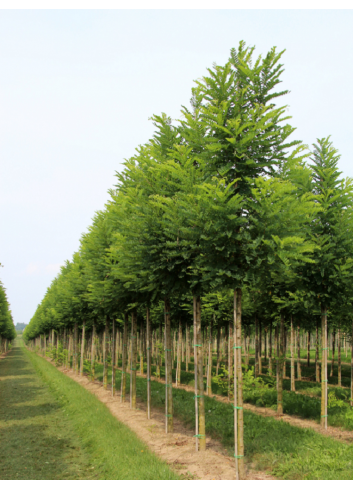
x: 286, y: 451
x: 52, y: 428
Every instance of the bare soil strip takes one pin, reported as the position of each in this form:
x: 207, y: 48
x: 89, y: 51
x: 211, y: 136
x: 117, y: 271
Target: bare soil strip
x: 334, y: 432
x: 177, y: 448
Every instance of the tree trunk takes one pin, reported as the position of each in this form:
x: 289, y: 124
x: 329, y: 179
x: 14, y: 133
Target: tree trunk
x: 148, y: 355
x: 218, y: 346
x: 198, y: 362
x: 238, y: 389
x: 124, y: 360
x: 133, y: 359
x: 209, y: 369
x: 105, y: 353
x: 299, y: 368
x: 292, y: 349
x: 168, y: 369
x: 230, y: 356
x: 339, y: 357
x: 93, y: 352
x: 280, y: 370
x: 82, y: 347
x: 317, y: 366
x: 308, y: 350
x: 333, y: 352
x: 260, y: 347
x: 352, y: 368
x: 256, y: 347
x: 141, y: 349
x: 324, y: 368
x: 187, y: 347
x: 270, y: 352
x: 75, y: 362
x: 178, y: 369
x: 113, y: 357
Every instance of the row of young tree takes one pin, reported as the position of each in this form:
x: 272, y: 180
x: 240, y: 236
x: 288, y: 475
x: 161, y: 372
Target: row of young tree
x: 222, y: 217
x: 7, y: 327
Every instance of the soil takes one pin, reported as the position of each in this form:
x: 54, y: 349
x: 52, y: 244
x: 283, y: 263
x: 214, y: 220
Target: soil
x: 332, y: 431
x: 177, y: 448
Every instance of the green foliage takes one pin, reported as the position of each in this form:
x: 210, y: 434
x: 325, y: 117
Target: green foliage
x: 7, y: 327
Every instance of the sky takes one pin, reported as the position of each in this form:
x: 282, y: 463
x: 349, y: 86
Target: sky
x: 77, y: 89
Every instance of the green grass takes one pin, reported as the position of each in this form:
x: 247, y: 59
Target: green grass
x: 286, y: 451
x: 52, y: 428
x: 305, y: 402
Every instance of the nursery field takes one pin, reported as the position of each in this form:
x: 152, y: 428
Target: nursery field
x: 216, y: 285
x: 271, y: 444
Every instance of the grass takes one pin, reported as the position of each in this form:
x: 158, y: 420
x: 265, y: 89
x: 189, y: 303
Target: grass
x: 305, y: 402
x: 52, y: 428
x: 286, y: 451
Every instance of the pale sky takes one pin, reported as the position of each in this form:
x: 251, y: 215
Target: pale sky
x: 77, y: 89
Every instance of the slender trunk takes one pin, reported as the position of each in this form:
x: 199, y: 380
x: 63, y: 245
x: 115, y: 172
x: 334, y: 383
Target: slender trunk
x: 270, y: 352
x: 148, y: 354
x: 178, y: 369
x: 106, y: 353
x: 199, y: 369
x: 93, y: 352
x: 124, y: 359
x: 168, y: 370
x: 292, y: 349
x: 195, y: 377
x: 277, y: 353
x: 82, y: 347
x: 339, y: 357
x: 218, y: 346
x: 113, y: 357
x: 324, y: 368
x: 308, y: 351
x: 333, y: 352
x: 230, y: 356
x: 238, y: 388
x: 284, y: 352
x: 117, y: 347
x: 160, y: 356
x: 260, y: 347
x: 141, y: 350
x: 209, y: 369
x: 317, y: 366
x: 75, y: 362
x: 299, y: 368
x: 187, y: 345
x: 256, y: 347
x: 352, y: 368
x: 280, y: 370
x: 133, y: 359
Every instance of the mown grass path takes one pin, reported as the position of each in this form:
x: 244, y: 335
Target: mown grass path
x: 36, y: 438
x: 51, y: 428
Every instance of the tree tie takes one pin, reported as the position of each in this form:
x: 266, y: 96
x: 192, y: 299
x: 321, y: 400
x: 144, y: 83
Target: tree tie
x: 199, y: 436
x: 237, y: 407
